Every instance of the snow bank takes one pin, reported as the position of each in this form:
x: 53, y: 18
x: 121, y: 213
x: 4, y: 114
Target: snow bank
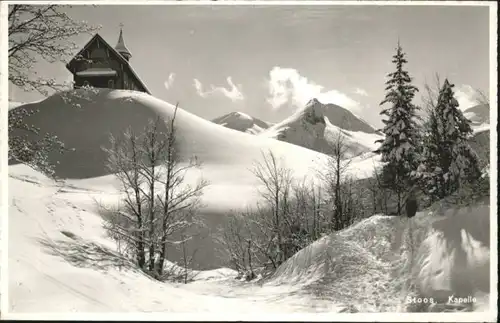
x: 455, y: 258
x: 370, y: 263
x: 355, y: 266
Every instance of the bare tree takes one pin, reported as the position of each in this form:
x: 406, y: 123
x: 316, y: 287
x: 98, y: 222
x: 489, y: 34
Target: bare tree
x: 231, y: 236
x: 187, y: 259
x: 40, y: 32
x: 308, y: 217
x: 334, y: 177
x: 158, y: 201
x: 381, y: 196
x: 266, y: 235
x: 431, y: 95
x: 37, y: 32
x: 276, y: 181
x: 180, y: 201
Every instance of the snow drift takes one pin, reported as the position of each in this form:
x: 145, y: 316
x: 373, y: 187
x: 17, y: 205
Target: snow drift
x: 374, y: 259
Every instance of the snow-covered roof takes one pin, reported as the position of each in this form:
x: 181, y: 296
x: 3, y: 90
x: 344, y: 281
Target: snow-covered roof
x: 95, y: 71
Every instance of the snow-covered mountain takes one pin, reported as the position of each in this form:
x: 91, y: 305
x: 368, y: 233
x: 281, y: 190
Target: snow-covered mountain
x: 242, y: 122
x: 317, y: 126
x: 479, y: 115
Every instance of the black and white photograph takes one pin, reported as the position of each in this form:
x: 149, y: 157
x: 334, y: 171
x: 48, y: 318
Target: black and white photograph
x: 249, y: 160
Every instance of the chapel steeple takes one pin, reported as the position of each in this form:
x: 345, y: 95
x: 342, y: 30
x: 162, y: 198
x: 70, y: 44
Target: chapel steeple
x: 120, y: 47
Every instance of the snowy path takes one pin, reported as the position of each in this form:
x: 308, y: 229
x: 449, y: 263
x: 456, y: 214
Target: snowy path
x: 60, y: 261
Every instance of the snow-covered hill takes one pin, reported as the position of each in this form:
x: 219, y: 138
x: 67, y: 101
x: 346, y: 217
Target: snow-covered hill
x: 83, y: 121
x: 242, y: 122
x: 227, y: 155
x: 317, y: 126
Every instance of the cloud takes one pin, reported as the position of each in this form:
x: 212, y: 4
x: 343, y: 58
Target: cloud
x: 466, y: 96
x: 234, y: 92
x: 287, y: 87
x: 360, y: 91
x: 199, y: 88
x: 170, y: 81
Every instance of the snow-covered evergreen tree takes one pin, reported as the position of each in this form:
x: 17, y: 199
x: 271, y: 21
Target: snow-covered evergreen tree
x: 447, y: 159
x: 398, y: 149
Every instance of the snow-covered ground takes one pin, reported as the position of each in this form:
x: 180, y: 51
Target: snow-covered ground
x: 227, y: 155
x: 60, y: 260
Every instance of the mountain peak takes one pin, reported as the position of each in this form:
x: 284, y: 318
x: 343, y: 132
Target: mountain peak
x: 242, y: 122
x: 241, y: 115
x: 313, y: 101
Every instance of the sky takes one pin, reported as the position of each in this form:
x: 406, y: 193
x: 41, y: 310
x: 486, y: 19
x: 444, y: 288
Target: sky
x: 268, y: 61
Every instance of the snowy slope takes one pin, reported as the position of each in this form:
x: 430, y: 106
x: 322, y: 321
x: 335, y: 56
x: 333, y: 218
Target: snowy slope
x: 61, y: 262
x: 227, y: 155
x: 15, y: 104
x: 317, y: 125
x: 242, y: 122
x: 370, y: 261
x: 86, y: 129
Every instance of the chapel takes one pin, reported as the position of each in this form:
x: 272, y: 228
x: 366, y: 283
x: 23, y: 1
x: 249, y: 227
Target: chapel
x: 100, y: 65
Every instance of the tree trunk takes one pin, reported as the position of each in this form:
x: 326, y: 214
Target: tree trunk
x: 250, y: 259
x: 278, y: 226
x: 151, y: 219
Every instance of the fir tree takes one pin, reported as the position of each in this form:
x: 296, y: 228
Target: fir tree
x: 398, y: 149
x: 447, y: 159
